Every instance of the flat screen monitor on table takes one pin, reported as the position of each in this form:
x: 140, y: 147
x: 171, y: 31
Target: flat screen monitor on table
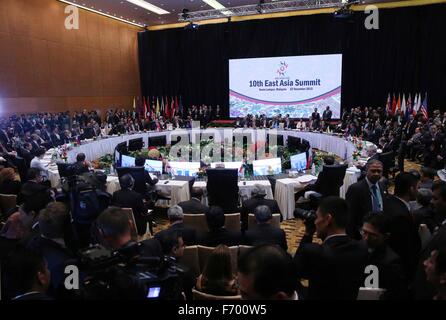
x: 117, y: 158
x: 267, y: 167
x: 299, y: 161
x: 227, y: 165
x: 154, y: 166
x: 188, y: 169
x: 127, y: 161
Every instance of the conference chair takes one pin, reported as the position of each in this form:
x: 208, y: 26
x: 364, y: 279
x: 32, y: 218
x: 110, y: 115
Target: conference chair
x: 198, y: 295
x: 275, y: 222
x: 242, y: 249
x: 136, y: 144
x: 138, y: 174
x: 65, y: 169
x: 388, y: 160
x: 190, y: 260
x: 196, y: 222
x: 204, y: 253
x: 232, y: 221
x: 131, y: 217
x: 222, y: 188
x: 333, y: 179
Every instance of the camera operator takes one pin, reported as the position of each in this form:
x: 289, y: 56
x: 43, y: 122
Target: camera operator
x: 334, y: 268
x: 116, y: 278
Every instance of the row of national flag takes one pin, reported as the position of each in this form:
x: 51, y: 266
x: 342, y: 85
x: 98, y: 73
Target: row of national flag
x: 156, y: 107
x: 407, y: 107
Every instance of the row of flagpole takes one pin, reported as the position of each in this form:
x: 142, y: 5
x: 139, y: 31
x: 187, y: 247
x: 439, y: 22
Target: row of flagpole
x: 407, y: 107
x: 156, y: 107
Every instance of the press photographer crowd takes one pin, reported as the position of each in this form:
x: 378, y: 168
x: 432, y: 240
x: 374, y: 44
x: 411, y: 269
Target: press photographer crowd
x: 79, y: 242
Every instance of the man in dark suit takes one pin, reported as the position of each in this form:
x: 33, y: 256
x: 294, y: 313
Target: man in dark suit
x: 53, y: 221
x: 315, y: 120
x: 128, y: 198
x: 26, y: 276
x: 326, y: 116
x: 257, y: 199
x: 263, y: 232
x: 26, y: 153
x: 421, y: 288
x: 364, y: 197
x: 335, y: 268
x: 175, y: 215
x: 218, y: 234
x: 404, y: 238
x: 34, y: 187
x: 56, y: 138
x: 375, y: 233
x: 80, y: 166
x: 194, y: 205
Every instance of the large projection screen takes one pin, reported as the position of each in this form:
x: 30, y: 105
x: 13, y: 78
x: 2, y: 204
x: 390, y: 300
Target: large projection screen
x: 285, y: 85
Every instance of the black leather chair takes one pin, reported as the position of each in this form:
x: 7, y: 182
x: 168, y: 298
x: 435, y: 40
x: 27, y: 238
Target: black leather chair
x: 65, y: 169
x: 222, y: 188
x: 388, y: 160
x: 136, y: 144
x: 138, y: 174
x: 334, y: 177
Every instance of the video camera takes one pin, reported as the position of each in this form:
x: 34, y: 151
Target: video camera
x: 125, y: 274
x: 308, y: 216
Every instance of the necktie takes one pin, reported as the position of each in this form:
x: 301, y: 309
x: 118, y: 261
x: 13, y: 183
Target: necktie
x: 376, y: 206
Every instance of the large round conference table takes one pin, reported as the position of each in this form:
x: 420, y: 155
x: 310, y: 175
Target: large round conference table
x: 284, y: 190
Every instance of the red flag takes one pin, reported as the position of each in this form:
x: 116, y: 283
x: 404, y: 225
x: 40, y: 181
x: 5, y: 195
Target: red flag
x: 172, y: 108
x: 177, y: 106
x: 393, y: 105
x: 167, y: 109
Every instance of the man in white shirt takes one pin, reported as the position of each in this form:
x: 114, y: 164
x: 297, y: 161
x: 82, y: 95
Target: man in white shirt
x: 37, y: 163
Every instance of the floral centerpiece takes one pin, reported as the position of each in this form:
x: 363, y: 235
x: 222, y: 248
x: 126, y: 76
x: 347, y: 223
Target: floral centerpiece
x: 103, y: 163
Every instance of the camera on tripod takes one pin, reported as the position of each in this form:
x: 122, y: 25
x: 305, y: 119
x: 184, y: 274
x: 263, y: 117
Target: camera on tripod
x: 124, y: 274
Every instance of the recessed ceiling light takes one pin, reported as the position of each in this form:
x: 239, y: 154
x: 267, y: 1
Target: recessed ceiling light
x: 218, y: 6
x: 148, y: 6
x: 100, y: 12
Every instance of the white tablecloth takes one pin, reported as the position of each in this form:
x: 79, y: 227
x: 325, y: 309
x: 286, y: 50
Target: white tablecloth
x: 245, y: 189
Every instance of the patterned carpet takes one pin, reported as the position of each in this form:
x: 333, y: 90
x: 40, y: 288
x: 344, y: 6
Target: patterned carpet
x: 294, y: 228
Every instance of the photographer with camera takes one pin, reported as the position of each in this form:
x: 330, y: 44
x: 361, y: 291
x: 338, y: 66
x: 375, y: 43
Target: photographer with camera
x: 334, y: 268
x: 118, y: 267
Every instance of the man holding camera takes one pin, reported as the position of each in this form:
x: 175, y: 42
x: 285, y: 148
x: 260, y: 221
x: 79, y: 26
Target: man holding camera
x: 334, y: 268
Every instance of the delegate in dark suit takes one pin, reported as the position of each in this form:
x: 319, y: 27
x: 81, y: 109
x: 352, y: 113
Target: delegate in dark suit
x: 404, y: 238
x: 264, y: 233
x: 359, y: 199
x: 131, y: 199
x: 188, y: 234
x: 391, y: 273
x: 334, y: 269
x: 251, y: 204
x: 56, y: 256
x: 193, y: 206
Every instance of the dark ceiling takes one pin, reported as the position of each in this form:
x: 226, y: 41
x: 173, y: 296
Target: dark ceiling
x: 131, y: 12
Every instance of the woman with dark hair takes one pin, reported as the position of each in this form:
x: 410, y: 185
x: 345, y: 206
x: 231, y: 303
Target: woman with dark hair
x: 218, y: 277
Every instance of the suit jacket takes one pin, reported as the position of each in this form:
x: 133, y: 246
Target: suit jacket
x: 214, y: 238
x: 264, y: 233
x: 189, y: 234
x: 57, y: 141
x: 335, y: 268
x: 359, y: 201
x: 251, y: 204
x: 422, y: 289
x: 131, y: 199
x: 80, y: 168
x: 193, y: 206
x: 57, y: 258
x: 391, y: 273
x: 404, y: 238
x: 10, y: 187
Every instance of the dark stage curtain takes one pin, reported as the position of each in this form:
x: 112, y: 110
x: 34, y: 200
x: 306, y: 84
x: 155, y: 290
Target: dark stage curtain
x: 407, y: 54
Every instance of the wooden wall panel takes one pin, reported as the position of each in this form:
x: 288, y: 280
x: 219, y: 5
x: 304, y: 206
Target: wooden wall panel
x: 44, y: 67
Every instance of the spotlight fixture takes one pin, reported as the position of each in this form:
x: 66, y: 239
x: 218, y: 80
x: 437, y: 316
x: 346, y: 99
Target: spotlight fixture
x: 260, y: 6
x: 192, y: 26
